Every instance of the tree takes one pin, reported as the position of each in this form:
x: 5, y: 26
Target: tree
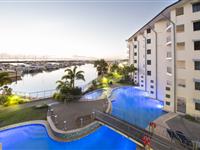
x: 126, y: 70
x: 102, y: 67
x: 114, y: 67
x: 4, y: 79
x: 73, y: 75
x: 66, y: 87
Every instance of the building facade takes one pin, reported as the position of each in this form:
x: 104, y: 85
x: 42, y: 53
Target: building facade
x: 166, y: 53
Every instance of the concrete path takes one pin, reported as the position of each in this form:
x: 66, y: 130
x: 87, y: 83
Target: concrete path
x: 189, y: 128
x: 74, y: 112
x: 161, y: 125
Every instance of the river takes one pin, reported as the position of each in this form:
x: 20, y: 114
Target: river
x: 47, y: 80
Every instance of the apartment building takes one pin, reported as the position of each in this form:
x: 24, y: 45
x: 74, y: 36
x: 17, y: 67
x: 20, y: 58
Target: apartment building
x: 166, y: 53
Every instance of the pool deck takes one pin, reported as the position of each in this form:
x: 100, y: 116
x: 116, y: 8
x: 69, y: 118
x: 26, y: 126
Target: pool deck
x: 74, y: 112
x: 161, y: 125
x: 189, y: 128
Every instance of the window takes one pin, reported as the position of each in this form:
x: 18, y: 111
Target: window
x: 152, y: 86
x: 135, y: 46
x: 179, y: 11
x: 152, y: 81
x: 151, y: 92
x: 135, y: 61
x: 142, y: 85
x: 196, y: 26
x: 181, y: 83
x: 167, y: 96
x: 167, y: 103
x: 148, y: 62
x: 180, y: 28
x: 135, y: 39
x: 196, y: 7
x: 148, y: 41
x: 148, y: 51
x: 148, y: 73
x: 142, y: 81
x: 148, y: 30
x: 169, y: 82
x: 197, y: 86
x: 197, y: 106
x: 197, y: 65
x: 135, y: 54
x: 180, y: 46
x: 167, y: 88
x: 196, y: 45
x: 141, y: 76
x: 169, y: 70
x: 180, y: 64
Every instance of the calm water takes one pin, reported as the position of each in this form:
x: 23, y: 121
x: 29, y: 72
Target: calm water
x: 133, y: 106
x: 47, y: 80
x: 34, y: 137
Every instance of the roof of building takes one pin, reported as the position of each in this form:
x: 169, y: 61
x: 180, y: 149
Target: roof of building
x: 156, y: 18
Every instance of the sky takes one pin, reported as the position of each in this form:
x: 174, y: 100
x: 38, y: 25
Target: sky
x: 65, y: 28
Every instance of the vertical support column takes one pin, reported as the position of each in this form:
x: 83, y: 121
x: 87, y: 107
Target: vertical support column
x: 145, y: 57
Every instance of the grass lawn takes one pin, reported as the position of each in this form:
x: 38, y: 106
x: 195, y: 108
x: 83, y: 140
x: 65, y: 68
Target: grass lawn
x: 22, y: 115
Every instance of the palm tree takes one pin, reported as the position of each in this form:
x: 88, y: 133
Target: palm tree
x: 4, y: 79
x: 62, y: 84
x: 127, y: 70
x: 102, y: 66
x: 73, y: 75
x: 114, y: 67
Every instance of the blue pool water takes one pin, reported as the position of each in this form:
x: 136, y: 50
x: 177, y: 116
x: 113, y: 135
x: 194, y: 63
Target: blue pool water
x: 35, y: 137
x: 133, y: 106
x: 94, y: 95
x: 129, y: 104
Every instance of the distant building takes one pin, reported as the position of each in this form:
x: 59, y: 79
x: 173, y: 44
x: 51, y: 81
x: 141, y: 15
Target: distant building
x: 166, y: 53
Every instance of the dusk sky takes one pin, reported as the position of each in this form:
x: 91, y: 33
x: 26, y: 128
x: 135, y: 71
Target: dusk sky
x: 66, y: 28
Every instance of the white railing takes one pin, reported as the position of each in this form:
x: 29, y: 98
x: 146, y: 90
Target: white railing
x: 36, y: 95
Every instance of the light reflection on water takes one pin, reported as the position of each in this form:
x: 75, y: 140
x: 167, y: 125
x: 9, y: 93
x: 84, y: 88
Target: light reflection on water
x: 47, y: 80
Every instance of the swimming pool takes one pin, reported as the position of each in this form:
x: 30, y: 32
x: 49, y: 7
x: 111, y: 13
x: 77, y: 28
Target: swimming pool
x: 133, y: 105
x: 129, y: 104
x: 32, y: 137
x: 94, y: 95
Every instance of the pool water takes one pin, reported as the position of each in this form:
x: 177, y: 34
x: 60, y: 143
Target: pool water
x: 129, y: 104
x: 133, y: 105
x: 35, y: 137
x: 94, y: 95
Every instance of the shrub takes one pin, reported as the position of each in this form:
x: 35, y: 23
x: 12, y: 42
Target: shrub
x: 14, y: 99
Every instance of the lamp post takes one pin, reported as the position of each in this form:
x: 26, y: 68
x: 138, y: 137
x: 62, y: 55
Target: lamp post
x: 81, y: 122
x: 56, y: 121
x: 65, y: 125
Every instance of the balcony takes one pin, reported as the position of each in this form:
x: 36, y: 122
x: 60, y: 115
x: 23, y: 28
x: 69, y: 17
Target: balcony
x: 180, y: 64
x: 169, y: 71
x: 181, y: 83
x: 180, y: 46
x: 168, y: 27
x: 168, y: 41
x: 169, y: 56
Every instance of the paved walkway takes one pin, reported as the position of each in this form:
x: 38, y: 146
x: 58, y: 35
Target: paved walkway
x: 74, y: 112
x: 162, y: 125
x: 189, y: 128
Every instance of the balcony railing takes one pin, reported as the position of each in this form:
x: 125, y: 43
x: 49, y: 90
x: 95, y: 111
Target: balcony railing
x: 168, y: 40
x: 169, y: 55
x: 168, y: 27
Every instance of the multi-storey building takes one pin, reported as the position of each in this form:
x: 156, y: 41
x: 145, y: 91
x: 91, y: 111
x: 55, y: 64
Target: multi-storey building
x: 166, y: 53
